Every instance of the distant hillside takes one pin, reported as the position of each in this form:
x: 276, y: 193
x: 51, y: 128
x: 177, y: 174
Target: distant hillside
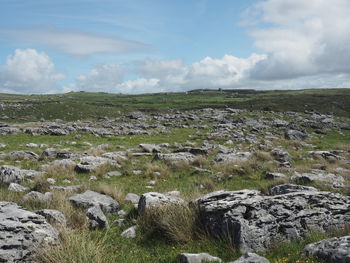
x: 87, y: 105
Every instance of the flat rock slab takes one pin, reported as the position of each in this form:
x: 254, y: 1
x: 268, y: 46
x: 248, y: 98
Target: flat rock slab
x: 198, y: 258
x: 91, y: 198
x: 334, y: 180
x: 255, y: 222
x: 290, y: 188
x: 333, y: 250
x: 232, y: 157
x: 174, y: 158
x: 91, y: 163
x: 22, y: 232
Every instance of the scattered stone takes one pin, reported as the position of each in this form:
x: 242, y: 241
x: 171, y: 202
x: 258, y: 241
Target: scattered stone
x: 150, y: 148
x: 275, y: 176
x: 112, y: 174
x: 33, y: 195
x: 333, y: 250
x: 130, y: 232
x: 96, y: 218
x: 17, y: 188
x: 132, y: 198
x: 174, y: 158
x: 51, y: 181
x: 251, y: 258
x: 232, y: 157
x: 295, y: 135
x: 198, y: 258
x: 11, y: 174
x: 32, y: 145
x: 91, y: 163
x: 91, y: 198
x: 23, y: 155
x: 68, y: 189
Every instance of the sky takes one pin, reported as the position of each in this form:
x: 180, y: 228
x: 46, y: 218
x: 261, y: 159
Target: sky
x: 146, y: 46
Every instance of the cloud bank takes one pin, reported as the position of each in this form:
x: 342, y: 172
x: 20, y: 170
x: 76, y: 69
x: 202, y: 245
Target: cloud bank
x: 300, y: 44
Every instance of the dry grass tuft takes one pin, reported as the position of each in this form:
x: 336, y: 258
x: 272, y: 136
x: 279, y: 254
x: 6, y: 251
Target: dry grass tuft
x: 150, y: 170
x: 103, y: 169
x: 201, y: 162
x: 178, y: 223
x: 77, y: 247
x: 112, y: 190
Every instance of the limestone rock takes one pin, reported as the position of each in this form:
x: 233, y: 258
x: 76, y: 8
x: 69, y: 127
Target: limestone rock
x: 333, y: 250
x: 17, y: 188
x: 251, y: 258
x: 53, y: 216
x: 96, y: 218
x: 198, y: 258
x: 232, y: 157
x: 255, y: 222
x: 153, y: 199
x: 174, y: 158
x: 91, y: 198
x: 130, y: 232
x: 22, y: 232
x: 290, y: 188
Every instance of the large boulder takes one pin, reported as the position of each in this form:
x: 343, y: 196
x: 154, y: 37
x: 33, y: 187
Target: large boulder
x: 153, y: 199
x: 91, y: 198
x: 333, y: 250
x: 22, y: 232
x: 255, y: 222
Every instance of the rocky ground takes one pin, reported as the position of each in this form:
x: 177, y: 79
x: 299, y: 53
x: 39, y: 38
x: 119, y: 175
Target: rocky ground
x: 226, y: 185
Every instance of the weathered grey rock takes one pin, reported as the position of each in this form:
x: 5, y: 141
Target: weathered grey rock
x: 91, y: 198
x: 275, y: 176
x: 333, y: 250
x: 174, y: 158
x: 112, y: 174
x: 53, y: 216
x: 251, y: 258
x: 116, y: 155
x: 96, y: 218
x: 254, y: 222
x: 33, y: 195
x: 22, y: 232
x: 68, y: 189
x: 232, y: 157
x: 130, y: 232
x: 11, y: 174
x: 51, y: 181
x: 132, y: 198
x: 23, y: 155
x: 150, y: 148
x: 335, y: 180
x: 50, y: 153
x: 281, y: 156
x: 62, y: 164
x: 153, y: 199
x: 290, y: 188
x: 198, y: 258
x: 32, y: 145
x: 91, y: 163
x: 17, y: 188
x: 295, y: 135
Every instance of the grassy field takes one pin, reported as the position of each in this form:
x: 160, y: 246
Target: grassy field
x: 85, y: 105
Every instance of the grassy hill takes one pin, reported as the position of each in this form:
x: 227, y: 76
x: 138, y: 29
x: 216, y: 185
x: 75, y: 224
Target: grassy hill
x: 88, y: 105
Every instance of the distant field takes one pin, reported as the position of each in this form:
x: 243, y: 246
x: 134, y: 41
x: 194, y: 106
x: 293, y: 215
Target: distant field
x: 87, y: 105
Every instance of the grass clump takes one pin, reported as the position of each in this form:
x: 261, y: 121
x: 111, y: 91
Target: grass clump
x: 177, y: 223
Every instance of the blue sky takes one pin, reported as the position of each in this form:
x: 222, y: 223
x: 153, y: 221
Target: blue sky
x: 164, y: 45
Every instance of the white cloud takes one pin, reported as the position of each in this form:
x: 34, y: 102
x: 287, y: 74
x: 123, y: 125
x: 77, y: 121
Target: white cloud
x: 29, y: 71
x: 138, y: 86
x: 302, y: 38
x: 73, y: 42
x: 103, y: 77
